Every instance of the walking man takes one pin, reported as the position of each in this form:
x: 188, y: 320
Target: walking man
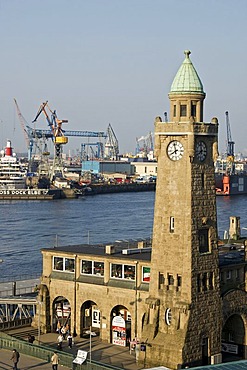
x: 54, y: 361
x: 70, y: 340
x: 15, y: 358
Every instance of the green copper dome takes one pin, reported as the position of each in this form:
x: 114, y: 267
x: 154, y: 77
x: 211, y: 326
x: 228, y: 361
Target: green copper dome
x: 187, y: 79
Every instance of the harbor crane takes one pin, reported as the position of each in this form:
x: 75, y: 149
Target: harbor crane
x: 58, y: 137
x: 147, y: 144
x: 31, y: 139
x: 230, y: 156
x: 111, y: 145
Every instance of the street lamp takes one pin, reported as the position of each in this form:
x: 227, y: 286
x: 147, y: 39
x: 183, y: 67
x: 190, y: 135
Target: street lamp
x: 74, y: 331
x: 39, y: 309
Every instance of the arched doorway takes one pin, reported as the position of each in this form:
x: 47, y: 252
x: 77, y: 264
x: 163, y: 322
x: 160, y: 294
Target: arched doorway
x: 120, y: 326
x: 233, y: 339
x: 61, y: 313
x: 90, y: 318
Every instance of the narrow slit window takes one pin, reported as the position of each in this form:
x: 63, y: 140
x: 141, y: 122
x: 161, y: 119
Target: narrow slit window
x: 172, y: 224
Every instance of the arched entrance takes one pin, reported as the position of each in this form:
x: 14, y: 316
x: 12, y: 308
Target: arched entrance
x: 90, y: 317
x: 120, y: 326
x: 233, y: 338
x: 61, y: 313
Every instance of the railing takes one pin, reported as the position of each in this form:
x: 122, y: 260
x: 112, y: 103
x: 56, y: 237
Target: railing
x: 44, y: 353
x: 15, y: 323
x: 10, y: 278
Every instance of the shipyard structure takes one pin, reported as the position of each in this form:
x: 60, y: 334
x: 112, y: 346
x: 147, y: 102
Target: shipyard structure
x: 176, y: 298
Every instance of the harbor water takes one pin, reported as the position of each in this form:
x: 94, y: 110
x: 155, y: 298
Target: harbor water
x: 28, y: 226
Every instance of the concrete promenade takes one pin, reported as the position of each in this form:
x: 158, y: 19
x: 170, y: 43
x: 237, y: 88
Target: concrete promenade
x: 105, y: 353
x: 102, y: 352
x: 25, y: 363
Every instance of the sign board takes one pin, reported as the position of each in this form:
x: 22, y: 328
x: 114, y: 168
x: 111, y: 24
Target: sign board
x: 229, y: 348
x: 80, y: 357
x: 118, y: 331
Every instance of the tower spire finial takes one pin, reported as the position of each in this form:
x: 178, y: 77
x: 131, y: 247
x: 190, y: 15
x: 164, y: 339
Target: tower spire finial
x: 187, y: 53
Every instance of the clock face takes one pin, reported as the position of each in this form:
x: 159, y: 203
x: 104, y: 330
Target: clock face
x: 201, y: 151
x: 175, y: 150
x: 168, y: 316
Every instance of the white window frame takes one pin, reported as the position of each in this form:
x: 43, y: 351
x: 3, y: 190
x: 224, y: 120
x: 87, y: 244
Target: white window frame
x: 122, y: 272
x: 92, y: 268
x: 63, y: 269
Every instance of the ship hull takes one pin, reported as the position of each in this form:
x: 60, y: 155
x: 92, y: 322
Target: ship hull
x: 231, y: 184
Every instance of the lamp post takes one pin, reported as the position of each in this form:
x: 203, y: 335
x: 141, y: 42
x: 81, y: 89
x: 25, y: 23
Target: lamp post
x: 39, y: 312
x: 136, y: 300
x: 74, y: 331
x: 90, y: 345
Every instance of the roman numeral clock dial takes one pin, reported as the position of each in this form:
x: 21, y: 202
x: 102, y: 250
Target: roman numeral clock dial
x: 175, y: 150
x: 201, y: 151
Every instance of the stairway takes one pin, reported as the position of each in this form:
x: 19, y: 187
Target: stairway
x: 22, y: 333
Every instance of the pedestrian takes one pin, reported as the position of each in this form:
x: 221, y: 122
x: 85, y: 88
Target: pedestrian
x: 60, y: 342
x: 15, y: 358
x: 63, y: 332
x: 30, y: 338
x: 54, y: 361
x: 70, y: 340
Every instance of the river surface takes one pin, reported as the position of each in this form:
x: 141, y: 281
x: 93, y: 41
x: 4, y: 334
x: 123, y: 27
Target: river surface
x: 28, y: 226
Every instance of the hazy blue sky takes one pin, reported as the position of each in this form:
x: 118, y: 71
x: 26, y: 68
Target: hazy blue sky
x: 113, y: 61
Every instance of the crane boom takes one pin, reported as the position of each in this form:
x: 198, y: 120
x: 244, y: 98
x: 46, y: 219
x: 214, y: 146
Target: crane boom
x: 22, y: 122
x: 230, y: 143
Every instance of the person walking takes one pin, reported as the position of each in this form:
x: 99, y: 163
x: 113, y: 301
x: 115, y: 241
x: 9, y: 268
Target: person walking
x: 70, y: 340
x: 15, y: 358
x: 60, y: 342
x: 54, y: 361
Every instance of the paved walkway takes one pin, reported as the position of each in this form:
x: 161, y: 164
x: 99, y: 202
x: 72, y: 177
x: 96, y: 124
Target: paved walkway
x: 25, y: 363
x: 103, y: 352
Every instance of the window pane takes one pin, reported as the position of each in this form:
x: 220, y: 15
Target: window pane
x: 146, y: 274
x: 86, y: 267
x: 203, y: 241
x: 116, y: 271
x: 129, y: 272
x: 193, y: 110
x: 58, y: 263
x: 183, y: 110
x: 98, y: 268
x: 69, y: 264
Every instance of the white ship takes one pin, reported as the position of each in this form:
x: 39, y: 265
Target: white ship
x: 12, y: 173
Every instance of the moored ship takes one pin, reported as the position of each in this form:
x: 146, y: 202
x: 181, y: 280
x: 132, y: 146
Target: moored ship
x: 231, y: 179
x: 12, y: 172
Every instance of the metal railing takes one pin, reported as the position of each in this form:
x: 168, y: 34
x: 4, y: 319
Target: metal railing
x: 10, y: 278
x: 44, y: 352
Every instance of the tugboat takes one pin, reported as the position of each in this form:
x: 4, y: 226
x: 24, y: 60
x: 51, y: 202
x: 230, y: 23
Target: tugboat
x: 12, y: 173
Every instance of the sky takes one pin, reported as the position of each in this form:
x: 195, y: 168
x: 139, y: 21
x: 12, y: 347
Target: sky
x: 113, y: 61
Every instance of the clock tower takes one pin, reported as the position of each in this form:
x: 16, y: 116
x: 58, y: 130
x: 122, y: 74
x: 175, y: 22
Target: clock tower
x: 182, y: 325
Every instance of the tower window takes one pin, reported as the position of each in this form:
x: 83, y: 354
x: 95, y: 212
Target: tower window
x: 179, y: 280
x: 161, y: 280
x: 193, y: 110
x: 211, y: 281
x: 183, y: 110
x: 203, y: 180
x: 170, y: 279
x: 172, y: 223
x: 174, y: 111
x: 203, y: 241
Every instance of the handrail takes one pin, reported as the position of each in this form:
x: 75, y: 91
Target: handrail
x: 10, y: 278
